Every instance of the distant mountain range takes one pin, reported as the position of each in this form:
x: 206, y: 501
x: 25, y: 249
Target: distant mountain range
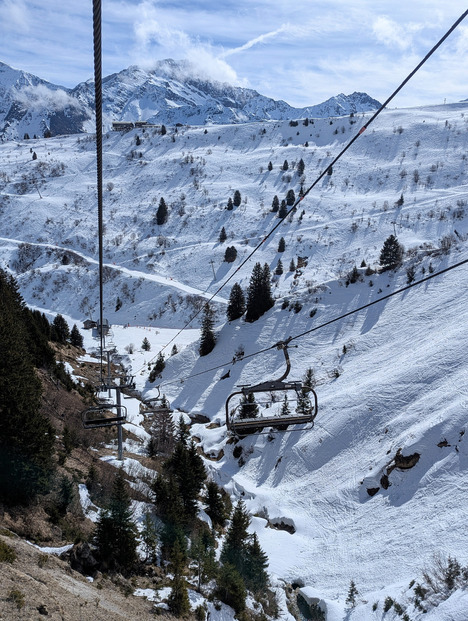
x: 168, y: 94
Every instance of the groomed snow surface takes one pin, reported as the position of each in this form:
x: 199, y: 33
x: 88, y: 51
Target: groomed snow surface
x: 391, y: 380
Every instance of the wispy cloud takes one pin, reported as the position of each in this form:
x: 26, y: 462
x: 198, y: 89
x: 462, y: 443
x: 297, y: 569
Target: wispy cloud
x: 15, y: 15
x: 41, y: 96
x: 390, y: 33
x: 155, y: 40
x: 257, y: 40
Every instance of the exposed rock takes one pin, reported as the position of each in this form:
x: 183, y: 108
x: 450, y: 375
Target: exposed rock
x: 82, y: 559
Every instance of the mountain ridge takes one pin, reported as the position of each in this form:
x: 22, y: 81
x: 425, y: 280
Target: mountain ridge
x: 170, y: 93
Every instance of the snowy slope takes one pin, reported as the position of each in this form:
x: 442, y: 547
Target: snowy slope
x: 398, y: 385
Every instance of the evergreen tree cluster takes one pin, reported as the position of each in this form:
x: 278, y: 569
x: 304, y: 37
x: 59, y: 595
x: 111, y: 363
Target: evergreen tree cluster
x: 60, y: 332
x: 244, y: 562
x: 259, y: 297
x: 26, y: 435
x: 116, y: 534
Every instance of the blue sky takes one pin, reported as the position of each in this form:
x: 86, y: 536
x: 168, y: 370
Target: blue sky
x: 302, y: 51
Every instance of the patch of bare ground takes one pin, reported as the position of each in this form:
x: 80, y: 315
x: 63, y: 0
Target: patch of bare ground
x: 37, y: 586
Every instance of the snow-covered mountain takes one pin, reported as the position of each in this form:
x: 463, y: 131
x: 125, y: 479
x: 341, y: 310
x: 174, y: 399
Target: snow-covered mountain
x: 391, y: 379
x: 168, y: 94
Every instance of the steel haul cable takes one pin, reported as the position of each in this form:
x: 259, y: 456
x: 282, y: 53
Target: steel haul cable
x: 324, y: 172
x: 97, y: 46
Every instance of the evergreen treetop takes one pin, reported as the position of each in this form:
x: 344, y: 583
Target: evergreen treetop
x: 162, y: 212
x: 236, y: 304
x: 259, y: 298
x: 208, y: 338
x: 391, y: 255
x: 116, y: 533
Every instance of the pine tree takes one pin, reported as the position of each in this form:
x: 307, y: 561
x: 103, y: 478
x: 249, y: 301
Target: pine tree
x: 235, y: 545
x: 256, y: 577
x: 281, y: 245
x: 230, y: 205
x: 248, y: 407
x: 290, y: 198
x: 236, y: 304
x: 304, y: 406
x: 203, y: 553
x: 76, y: 338
x: 149, y: 537
x: 259, y: 298
x: 208, y: 339
x: 230, y: 254
x: 352, y: 594
x: 237, y: 198
x: 300, y: 167
x: 270, y: 166
x: 161, y: 214
x: 60, y: 330
x: 158, y: 368
x: 391, y: 255
x: 146, y: 345
x: 163, y: 130
x: 275, y: 204
x: 178, y: 600
x: 285, y: 409
x: 279, y: 268
x: 174, y: 350
x: 162, y: 432
x: 292, y: 266
x: 116, y: 532
x: 186, y: 466
x: 285, y: 165
x: 26, y: 436
x: 222, y: 235
x: 215, y: 507
x: 183, y: 431
x: 283, y: 210
x: 231, y: 588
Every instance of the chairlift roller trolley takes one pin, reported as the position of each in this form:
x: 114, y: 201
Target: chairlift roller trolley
x: 250, y: 425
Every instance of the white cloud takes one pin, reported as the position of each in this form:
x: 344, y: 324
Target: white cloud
x: 390, y: 33
x: 260, y: 39
x: 15, y: 15
x: 41, y: 96
x: 155, y: 40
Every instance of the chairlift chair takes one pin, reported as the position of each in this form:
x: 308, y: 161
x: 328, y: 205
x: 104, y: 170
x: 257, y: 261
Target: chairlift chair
x: 250, y: 425
x: 152, y: 406
x: 104, y: 415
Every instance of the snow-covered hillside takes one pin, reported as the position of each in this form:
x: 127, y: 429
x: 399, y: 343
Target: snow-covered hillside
x: 391, y: 380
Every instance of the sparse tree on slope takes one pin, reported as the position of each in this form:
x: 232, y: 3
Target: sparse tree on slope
x: 391, y: 255
x: 236, y: 304
x: 161, y: 214
x: 76, y: 338
x: 208, y: 339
